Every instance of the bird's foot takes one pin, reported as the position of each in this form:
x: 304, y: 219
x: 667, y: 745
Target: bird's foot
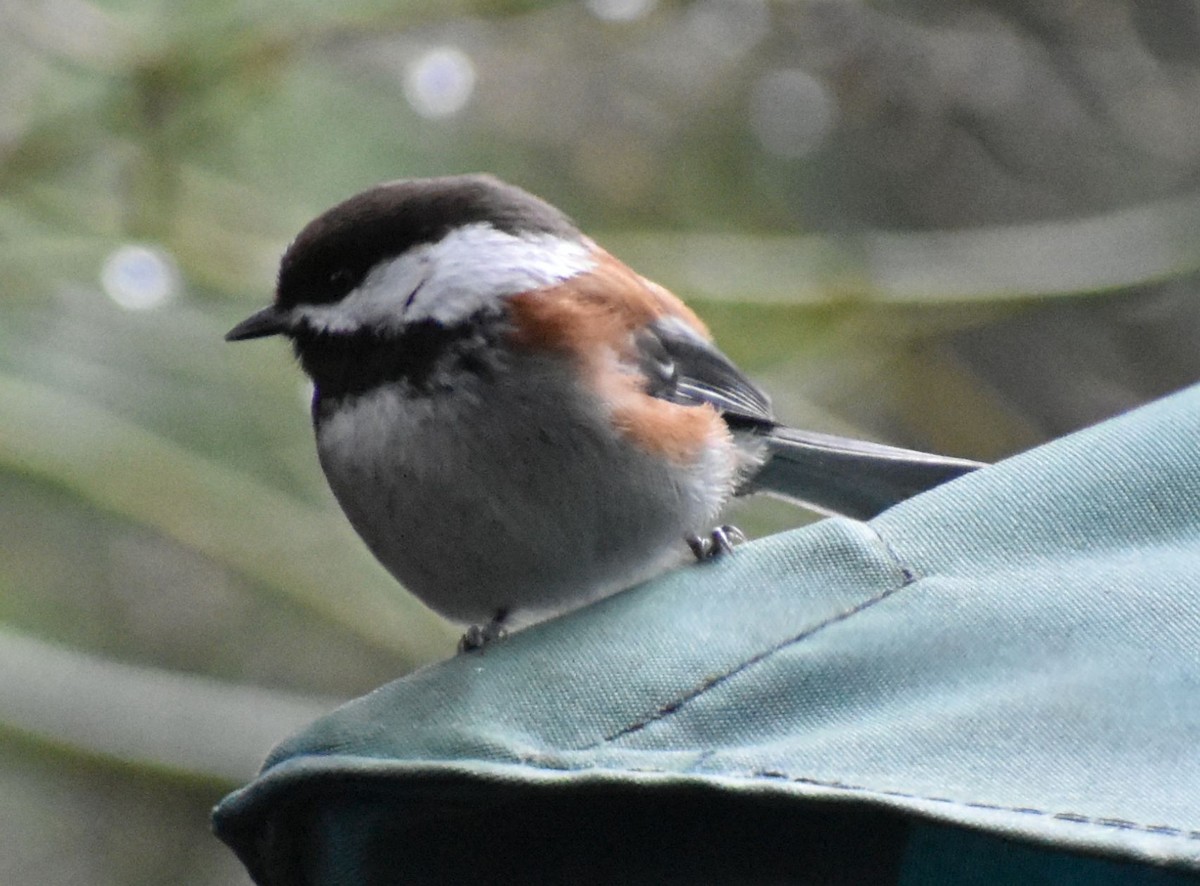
x: 479, y: 636
x: 720, y: 541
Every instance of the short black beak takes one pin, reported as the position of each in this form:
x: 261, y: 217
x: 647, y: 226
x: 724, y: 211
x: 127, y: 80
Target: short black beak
x: 269, y: 321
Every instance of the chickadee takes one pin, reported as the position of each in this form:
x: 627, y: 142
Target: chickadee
x: 516, y: 422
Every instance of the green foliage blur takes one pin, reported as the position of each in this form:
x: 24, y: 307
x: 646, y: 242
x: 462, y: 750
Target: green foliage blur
x: 963, y: 227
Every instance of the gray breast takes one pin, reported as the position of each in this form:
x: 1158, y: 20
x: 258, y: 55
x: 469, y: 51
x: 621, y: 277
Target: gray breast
x: 507, y: 490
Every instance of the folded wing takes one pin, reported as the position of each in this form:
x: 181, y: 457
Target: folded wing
x: 822, y: 472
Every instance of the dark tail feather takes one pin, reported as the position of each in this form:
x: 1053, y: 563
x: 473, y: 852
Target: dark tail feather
x: 837, y: 475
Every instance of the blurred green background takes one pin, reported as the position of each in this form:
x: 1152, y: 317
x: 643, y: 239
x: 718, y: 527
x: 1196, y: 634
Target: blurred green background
x: 964, y: 226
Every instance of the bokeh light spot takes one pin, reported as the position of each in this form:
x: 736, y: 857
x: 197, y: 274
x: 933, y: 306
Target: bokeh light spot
x: 620, y: 10
x: 440, y: 82
x: 791, y: 112
x: 139, y: 278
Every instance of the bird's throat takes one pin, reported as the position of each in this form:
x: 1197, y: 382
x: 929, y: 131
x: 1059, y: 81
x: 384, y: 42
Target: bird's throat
x: 423, y: 356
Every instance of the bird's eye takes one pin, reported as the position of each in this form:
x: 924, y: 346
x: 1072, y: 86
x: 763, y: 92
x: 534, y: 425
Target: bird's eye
x: 340, y: 277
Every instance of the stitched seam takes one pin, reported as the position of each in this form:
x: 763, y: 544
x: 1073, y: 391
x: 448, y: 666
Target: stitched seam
x: 907, y: 576
x: 1122, y: 824
x: 1110, y: 822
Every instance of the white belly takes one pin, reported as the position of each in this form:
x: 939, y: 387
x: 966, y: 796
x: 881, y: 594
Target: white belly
x: 499, y: 497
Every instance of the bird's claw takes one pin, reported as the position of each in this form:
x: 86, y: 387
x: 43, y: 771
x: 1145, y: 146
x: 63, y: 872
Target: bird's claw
x: 720, y: 541
x: 479, y: 636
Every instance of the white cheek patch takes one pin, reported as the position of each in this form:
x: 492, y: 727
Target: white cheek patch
x: 476, y: 265
x: 379, y: 299
x: 468, y: 270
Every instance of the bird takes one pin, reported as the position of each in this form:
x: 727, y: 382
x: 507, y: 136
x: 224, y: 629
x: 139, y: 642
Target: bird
x: 516, y: 423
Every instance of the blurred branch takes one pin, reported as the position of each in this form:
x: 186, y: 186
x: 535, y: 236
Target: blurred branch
x: 1153, y: 242
x: 144, y: 716
x: 312, y: 559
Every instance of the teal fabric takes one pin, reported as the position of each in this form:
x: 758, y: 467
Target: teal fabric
x: 998, y: 676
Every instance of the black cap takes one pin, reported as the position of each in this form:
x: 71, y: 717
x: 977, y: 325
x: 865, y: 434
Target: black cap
x: 335, y: 251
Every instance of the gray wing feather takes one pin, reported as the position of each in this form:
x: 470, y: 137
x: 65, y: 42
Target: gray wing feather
x: 822, y: 472
x: 687, y: 369
x: 854, y: 478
